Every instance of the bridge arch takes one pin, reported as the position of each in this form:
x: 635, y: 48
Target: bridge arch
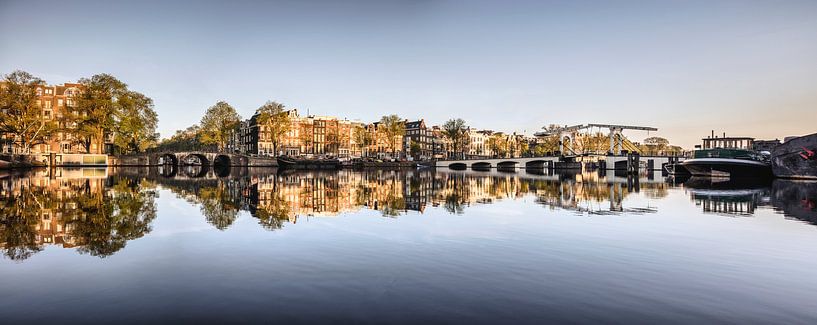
x: 537, y: 164
x: 481, y: 165
x: 195, y: 171
x: 221, y: 165
x: 506, y: 166
x: 186, y: 160
x: 458, y: 166
x: 168, y: 170
x: 168, y: 159
x: 222, y: 161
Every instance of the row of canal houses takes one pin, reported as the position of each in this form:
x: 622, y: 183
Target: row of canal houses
x: 329, y: 136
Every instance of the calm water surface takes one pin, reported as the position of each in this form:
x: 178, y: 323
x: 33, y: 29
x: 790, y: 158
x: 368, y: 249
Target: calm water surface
x: 146, y: 245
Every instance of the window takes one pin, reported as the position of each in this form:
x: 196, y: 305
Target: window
x: 47, y: 104
x: 59, y: 102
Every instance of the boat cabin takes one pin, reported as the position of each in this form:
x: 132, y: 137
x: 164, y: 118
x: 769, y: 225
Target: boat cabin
x: 745, y: 143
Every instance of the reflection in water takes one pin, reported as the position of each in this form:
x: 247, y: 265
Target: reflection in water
x: 794, y: 199
x: 83, y: 208
x: 97, y: 211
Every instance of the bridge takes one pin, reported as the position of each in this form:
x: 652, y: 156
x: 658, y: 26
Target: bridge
x: 500, y: 163
x: 194, y: 158
x: 609, y: 162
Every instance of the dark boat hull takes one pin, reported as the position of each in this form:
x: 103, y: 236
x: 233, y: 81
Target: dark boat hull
x: 796, y: 158
x: 285, y: 162
x: 726, y: 167
x: 676, y: 169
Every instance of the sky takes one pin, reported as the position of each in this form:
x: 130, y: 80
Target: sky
x: 747, y: 68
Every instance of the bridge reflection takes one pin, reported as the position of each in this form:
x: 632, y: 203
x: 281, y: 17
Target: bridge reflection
x: 96, y: 211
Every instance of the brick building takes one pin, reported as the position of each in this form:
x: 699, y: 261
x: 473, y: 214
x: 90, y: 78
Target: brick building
x: 55, y: 101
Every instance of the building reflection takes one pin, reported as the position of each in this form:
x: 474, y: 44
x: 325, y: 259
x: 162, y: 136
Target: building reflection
x: 97, y: 211
x: 276, y: 198
x: 85, y: 209
x: 794, y: 199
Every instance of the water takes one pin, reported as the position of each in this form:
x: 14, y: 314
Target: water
x: 131, y: 245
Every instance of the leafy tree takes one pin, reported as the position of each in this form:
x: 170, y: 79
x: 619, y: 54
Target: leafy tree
x: 392, y: 128
x: 272, y: 116
x: 137, y: 121
x: 523, y: 147
x: 363, y: 139
x: 218, y: 123
x: 539, y: 150
x: 414, y: 149
x: 655, y: 145
x: 307, y: 137
x: 188, y: 139
x: 498, y: 144
x: 96, y: 110
x: 457, y: 132
x: 20, y: 115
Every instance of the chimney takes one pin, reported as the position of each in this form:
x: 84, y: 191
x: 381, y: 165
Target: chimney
x: 713, y: 134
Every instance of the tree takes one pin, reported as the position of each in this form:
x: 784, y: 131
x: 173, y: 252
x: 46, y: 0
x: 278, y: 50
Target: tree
x: 539, y: 150
x: 456, y: 131
x: 393, y: 129
x: 96, y: 110
x: 363, y: 138
x: 498, y: 144
x: 307, y: 137
x: 136, y: 123
x: 414, y: 149
x: 523, y: 146
x: 277, y: 122
x: 218, y: 123
x: 22, y: 117
x: 655, y: 145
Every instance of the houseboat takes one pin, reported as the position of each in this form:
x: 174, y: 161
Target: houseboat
x: 732, y: 157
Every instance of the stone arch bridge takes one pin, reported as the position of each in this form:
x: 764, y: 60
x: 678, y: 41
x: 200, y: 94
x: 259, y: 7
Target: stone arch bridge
x: 191, y: 158
x: 532, y: 162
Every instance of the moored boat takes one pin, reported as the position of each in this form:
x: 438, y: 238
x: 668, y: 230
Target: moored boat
x: 796, y: 158
x: 729, y: 157
x: 297, y: 163
x: 676, y: 169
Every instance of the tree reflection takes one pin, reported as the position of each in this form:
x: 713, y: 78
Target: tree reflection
x: 274, y: 211
x: 102, y: 222
x: 218, y: 208
x: 97, y: 213
x: 18, y: 222
x: 82, y: 213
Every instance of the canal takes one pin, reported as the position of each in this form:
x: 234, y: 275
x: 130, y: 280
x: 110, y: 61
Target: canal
x: 255, y: 245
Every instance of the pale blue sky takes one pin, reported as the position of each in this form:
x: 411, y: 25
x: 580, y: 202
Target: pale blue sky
x: 686, y: 67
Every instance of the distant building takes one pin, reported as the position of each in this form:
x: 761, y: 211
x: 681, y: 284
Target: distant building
x: 310, y: 135
x: 478, y: 145
x: 421, y: 137
x: 765, y: 145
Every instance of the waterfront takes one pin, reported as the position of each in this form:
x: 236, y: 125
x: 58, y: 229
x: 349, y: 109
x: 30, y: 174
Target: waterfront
x: 94, y: 245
